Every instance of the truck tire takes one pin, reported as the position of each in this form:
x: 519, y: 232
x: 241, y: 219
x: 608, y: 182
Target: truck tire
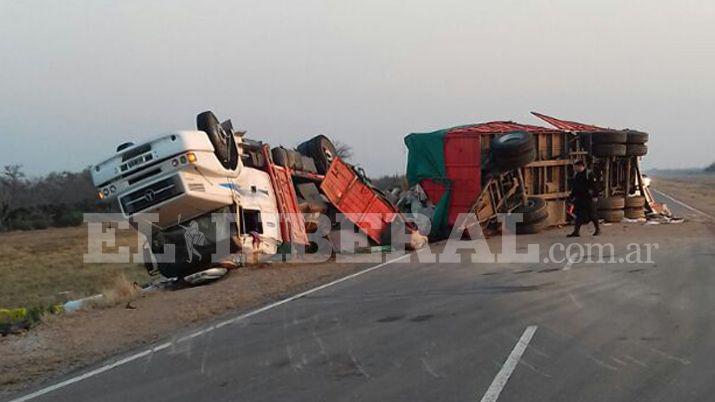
x: 636, y: 201
x: 607, y: 203
x: 321, y: 149
x: 636, y: 137
x: 254, y: 159
x: 512, y: 144
x: 280, y: 156
x: 531, y: 228
x: 533, y: 211
x: 609, y: 137
x: 309, y: 164
x: 636, y: 149
x: 514, y: 162
x: 634, y: 213
x: 295, y: 159
x: 611, y: 215
x: 610, y: 149
x: 223, y: 142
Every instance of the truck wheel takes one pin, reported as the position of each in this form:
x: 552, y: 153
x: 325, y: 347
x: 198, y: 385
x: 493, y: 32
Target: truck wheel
x: 533, y: 211
x: 607, y: 203
x: 611, y: 215
x: 321, y: 149
x: 295, y: 159
x: 280, y: 156
x: 637, y: 201
x: 257, y: 160
x: 223, y: 142
x: 512, y: 144
x: 636, y: 149
x: 634, y: 213
x: 636, y: 137
x: 609, y: 137
x: 514, y: 162
x: 602, y: 149
x: 531, y: 228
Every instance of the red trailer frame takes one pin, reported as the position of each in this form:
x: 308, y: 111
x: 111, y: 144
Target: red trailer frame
x: 291, y: 218
x: 360, y: 203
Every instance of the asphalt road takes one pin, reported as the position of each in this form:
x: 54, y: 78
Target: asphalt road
x: 445, y: 332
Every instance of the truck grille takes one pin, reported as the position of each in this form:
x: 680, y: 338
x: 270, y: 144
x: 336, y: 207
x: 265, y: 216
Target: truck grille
x: 151, y: 195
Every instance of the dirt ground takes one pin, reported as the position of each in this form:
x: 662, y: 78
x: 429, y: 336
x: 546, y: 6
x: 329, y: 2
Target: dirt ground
x: 698, y: 191
x: 72, y: 341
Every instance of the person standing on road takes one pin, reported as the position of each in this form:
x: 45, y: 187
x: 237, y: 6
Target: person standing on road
x: 582, y: 193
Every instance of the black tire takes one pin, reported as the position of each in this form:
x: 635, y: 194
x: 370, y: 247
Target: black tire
x: 280, y: 156
x: 259, y: 161
x: 534, y: 211
x: 295, y: 159
x: 309, y: 164
x: 514, y: 162
x: 254, y: 159
x: 603, y: 149
x: 636, y: 137
x: 636, y: 201
x: 321, y: 149
x: 609, y: 137
x: 512, y: 144
x: 611, y: 215
x: 634, y: 213
x: 636, y: 149
x: 531, y: 228
x: 610, y: 203
x: 223, y: 142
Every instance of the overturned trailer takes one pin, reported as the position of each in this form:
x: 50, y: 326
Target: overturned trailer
x: 465, y: 169
x: 455, y: 168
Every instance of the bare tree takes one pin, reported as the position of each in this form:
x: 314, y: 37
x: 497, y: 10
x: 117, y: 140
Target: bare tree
x: 12, y: 182
x: 344, y: 150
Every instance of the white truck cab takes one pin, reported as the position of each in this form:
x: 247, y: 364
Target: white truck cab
x: 180, y: 177
x: 175, y: 175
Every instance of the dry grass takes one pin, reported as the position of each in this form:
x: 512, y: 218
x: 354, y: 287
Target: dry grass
x: 122, y: 291
x: 43, y: 267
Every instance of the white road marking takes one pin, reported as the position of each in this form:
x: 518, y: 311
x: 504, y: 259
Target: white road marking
x: 684, y: 204
x: 92, y: 373
x: 503, y: 375
x: 203, y: 331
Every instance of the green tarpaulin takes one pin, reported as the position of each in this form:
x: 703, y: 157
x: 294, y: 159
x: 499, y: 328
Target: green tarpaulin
x: 425, y: 160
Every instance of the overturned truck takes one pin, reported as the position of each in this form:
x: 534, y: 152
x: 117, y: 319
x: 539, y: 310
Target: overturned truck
x: 507, y: 167
x: 196, y: 190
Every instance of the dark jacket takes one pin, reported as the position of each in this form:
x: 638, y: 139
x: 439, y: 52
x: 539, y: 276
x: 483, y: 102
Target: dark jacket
x: 583, y: 188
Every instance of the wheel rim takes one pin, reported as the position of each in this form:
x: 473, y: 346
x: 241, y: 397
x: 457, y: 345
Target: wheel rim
x: 328, y: 155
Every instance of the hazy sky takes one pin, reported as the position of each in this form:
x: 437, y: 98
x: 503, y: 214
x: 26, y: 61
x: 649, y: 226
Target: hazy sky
x: 79, y: 77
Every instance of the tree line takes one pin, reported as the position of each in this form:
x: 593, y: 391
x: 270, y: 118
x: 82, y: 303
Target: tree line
x: 57, y: 199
